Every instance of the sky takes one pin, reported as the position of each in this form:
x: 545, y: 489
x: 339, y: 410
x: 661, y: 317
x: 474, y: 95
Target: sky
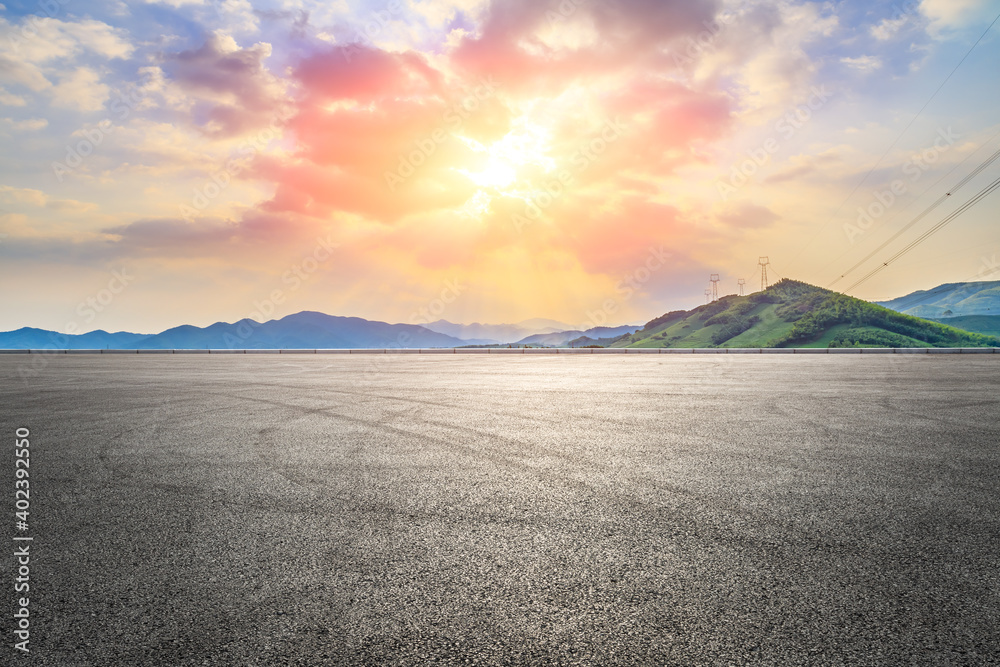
x: 589, y: 161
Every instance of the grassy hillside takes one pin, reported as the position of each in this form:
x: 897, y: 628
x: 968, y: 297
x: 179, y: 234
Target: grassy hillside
x: 795, y: 314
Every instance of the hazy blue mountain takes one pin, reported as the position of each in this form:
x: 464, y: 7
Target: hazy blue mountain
x: 302, y: 330
x: 484, y: 334
x: 542, y: 325
x: 984, y: 324
x: 39, y: 339
x: 307, y: 330
x: 950, y: 300
x: 563, y: 338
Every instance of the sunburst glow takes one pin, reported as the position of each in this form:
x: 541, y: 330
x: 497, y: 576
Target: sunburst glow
x: 496, y: 174
x: 507, y: 165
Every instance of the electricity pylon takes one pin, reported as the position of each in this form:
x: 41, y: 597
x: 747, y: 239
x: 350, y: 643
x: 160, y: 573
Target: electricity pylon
x: 741, y: 283
x: 763, y: 262
x: 715, y: 286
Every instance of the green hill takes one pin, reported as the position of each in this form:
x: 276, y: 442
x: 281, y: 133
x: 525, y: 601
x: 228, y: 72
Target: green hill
x: 795, y: 314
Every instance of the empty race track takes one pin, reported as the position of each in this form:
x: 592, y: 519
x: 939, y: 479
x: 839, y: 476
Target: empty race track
x: 618, y: 509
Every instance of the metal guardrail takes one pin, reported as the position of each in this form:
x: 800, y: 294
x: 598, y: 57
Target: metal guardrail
x: 553, y: 350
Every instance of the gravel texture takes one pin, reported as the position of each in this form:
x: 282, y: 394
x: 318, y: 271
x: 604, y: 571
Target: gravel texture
x: 396, y: 509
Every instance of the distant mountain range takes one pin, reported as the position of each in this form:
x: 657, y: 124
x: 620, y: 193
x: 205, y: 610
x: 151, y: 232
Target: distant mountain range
x: 310, y: 330
x: 570, y: 338
x: 493, y: 334
x: 950, y: 300
x: 307, y: 330
x: 29, y: 338
x: 795, y: 314
x: 787, y: 314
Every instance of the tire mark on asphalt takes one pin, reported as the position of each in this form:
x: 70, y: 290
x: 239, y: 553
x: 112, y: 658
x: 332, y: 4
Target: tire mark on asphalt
x: 615, y: 493
x: 580, y: 416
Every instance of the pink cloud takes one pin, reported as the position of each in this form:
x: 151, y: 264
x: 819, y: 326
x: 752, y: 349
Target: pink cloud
x: 365, y: 74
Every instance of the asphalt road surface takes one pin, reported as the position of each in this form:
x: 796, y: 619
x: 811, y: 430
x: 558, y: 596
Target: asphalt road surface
x: 315, y: 510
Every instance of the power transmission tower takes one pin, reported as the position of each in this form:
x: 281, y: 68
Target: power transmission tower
x: 715, y: 286
x: 763, y: 262
x: 708, y: 296
x: 741, y: 283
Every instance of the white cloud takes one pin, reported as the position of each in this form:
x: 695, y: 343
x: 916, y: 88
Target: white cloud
x: 22, y: 74
x: 35, y: 47
x: 10, y: 100
x: 39, y: 40
x: 438, y: 14
x: 28, y: 125
x: 950, y: 13
x: 888, y: 28
x: 863, y: 63
x: 70, y: 205
x: 763, y: 49
x: 100, y: 38
x: 173, y: 148
x: 176, y: 4
x: 118, y: 8
x: 82, y: 90
x: 237, y: 16
x: 12, y: 196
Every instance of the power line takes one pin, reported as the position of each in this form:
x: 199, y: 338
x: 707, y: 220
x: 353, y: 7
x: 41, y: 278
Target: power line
x: 896, y: 140
x: 985, y: 192
x: 975, y: 172
x: 914, y: 201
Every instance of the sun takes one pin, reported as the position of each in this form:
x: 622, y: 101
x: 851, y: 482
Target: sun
x: 496, y: 173
x: 500, y: 173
